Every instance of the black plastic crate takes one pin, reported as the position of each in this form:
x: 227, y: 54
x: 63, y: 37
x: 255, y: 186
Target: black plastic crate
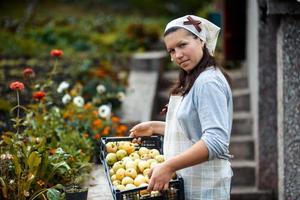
x: 176, y: 187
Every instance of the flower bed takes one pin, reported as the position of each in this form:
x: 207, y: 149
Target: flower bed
x: 52, y: 142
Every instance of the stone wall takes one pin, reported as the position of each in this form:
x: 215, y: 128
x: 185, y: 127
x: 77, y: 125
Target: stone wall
x: 279, y: 98
x: 288, y: 97
x: 267, y: 104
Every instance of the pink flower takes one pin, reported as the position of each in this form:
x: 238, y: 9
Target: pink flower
x: 56, y: 53
x: 39, y: 95
x: 17, y: 86
x: 28, y: 72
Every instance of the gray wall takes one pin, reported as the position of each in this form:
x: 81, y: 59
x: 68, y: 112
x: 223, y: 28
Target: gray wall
x: 279, y: 97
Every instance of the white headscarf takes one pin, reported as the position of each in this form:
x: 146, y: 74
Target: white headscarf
x: 204, y: 29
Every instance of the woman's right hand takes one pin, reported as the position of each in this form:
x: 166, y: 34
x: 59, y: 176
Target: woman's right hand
x: 142, y: 129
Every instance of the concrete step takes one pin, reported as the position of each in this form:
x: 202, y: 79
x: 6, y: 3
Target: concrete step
x: 243, y: 172
x: 242, y: 124
x: 242, y: 147
x: 241, y: 100
x: 238, y: 78
x: 250, y: 193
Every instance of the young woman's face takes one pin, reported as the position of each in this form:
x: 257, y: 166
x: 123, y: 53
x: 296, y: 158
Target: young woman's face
x: 185, y: 49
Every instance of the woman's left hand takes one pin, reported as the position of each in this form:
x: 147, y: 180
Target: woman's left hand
x: 160, y: 176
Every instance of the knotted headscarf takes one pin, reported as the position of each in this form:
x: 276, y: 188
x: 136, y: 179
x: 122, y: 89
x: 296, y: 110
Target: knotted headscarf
x: 204, y: 29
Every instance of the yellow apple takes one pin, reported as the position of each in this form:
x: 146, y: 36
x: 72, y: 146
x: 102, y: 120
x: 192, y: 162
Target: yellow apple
x: 120, y: 173
x: 153, y: 153
x: 117, y: 165
x: 113, y: 177
x: 134, y: 156
x: 127, y: 180
x: 120, y: 144
x: 131, y: 172
x: 130, y: 186
x: 145, y: 156
x: 146, y: 171
x: 111, y: 147
x: 116, y: 182
x: 143, y: 165
x: 139, y: 180
x: 155, y: 193
x: 111, y: 172
x: 160, y: 158
x: 143, y: 150
x: 126, y: 159
x: 136, y: 161
x: 128, y: 147
x: 144, y: 192
x: 111, y: 158
x: 130, y: 164
x: 151, y: 160
x: 121, y: 154
x: 120, y: 187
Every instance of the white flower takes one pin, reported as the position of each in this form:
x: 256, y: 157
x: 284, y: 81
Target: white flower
x: 3, y: 156
x: 63, y: 86
x: 101, y: 89
x: 66, y: 98
x: 104, y: 111
x: 122, y: 75
x: 59, y: 151
x: 31, y: 177
x: 26, y: 193
x: 121, y: 96
x: 56, y: 109
x: 78, y: 101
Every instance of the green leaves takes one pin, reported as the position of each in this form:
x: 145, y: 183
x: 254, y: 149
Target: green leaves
x: 53, y: 194
x: 33, y: 162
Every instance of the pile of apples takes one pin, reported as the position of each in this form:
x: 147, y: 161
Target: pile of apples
x: 129, y: 164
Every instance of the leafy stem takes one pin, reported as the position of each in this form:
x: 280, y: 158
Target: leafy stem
x: 53, y: 69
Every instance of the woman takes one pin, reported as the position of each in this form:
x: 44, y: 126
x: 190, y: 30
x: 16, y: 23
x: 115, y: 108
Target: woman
x: 199, y: 116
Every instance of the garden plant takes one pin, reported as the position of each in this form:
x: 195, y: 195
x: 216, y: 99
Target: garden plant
x: 52, y: 143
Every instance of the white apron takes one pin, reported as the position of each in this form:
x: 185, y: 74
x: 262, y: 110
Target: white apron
x: 206, y: 181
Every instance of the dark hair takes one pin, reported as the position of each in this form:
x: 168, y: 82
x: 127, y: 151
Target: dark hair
x: 186, y: 80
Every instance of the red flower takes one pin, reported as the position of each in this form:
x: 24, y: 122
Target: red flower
x: 56, y: 53
x: 97, y: 136
x: 28, y: 72
x: 17, y: 86
x: 39, y: 95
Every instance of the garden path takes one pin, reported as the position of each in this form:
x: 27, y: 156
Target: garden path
x: 98, y: 185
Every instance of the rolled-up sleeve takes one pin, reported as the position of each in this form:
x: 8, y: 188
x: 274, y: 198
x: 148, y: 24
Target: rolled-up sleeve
x: 212, y: 108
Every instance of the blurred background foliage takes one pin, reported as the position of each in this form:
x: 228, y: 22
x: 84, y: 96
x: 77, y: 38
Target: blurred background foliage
x: 97, y: 37
x: 99, y: 27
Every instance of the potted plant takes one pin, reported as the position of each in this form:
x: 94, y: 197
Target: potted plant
x: 77, y: 176
x: 76, y: 192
